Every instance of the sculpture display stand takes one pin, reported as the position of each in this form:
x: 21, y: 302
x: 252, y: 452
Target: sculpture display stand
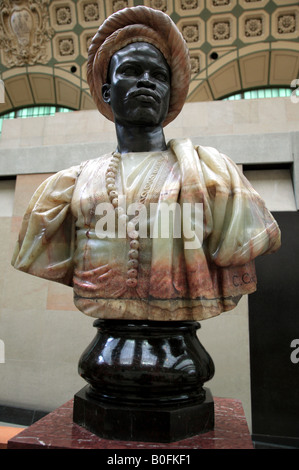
x: 145, y: 382
x: 58, y: 431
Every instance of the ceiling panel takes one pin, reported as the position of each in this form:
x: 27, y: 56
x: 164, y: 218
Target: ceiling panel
x: 19, y: 91
x: 211, y: 29
x: 42, y: 88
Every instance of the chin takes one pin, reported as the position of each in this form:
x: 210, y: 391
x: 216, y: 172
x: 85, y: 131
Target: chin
x: 147, y: 121
x: 145, y: 117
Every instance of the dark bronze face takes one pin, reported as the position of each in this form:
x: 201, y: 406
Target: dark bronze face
x: 139, y: 85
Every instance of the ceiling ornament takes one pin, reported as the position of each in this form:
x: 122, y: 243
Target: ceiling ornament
x: 286, y: 24
x: 253, y: 27
x: 24, y: 31
x: 159, y: 5
x: 91, y: 12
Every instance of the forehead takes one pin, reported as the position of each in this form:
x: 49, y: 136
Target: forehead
x: 139, y: 51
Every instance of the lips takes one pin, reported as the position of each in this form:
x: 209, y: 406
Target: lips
x: 145, y: 95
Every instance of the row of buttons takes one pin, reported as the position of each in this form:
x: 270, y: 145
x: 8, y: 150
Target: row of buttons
x: 133, y: 234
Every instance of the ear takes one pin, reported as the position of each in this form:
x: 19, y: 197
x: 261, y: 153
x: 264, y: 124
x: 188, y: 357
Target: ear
x: 106, y: 92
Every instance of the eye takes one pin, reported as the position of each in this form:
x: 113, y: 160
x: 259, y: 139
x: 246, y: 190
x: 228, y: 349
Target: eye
x: 130, y: 70
x: 161, y: 75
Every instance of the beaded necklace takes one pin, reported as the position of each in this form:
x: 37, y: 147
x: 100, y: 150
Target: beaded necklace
x: 133, y: 254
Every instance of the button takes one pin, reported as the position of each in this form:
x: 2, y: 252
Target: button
x: 113, y: 166
x: 134, y: 244
x: 132, y: 263
x: 133, y: 254
x: 113, y: 194
x: 134, y: 234
x: 132, y: 273
x: 131, y: 282
x: 110, y: 180
x: 111, y: 174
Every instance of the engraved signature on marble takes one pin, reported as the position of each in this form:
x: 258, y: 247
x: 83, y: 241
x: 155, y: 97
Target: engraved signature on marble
x: 246, y: 278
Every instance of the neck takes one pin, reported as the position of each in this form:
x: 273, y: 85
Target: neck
x: 140, y: 138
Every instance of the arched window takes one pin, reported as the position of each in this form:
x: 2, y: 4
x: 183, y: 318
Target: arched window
x: 33, y: 111
x: 261, y: 93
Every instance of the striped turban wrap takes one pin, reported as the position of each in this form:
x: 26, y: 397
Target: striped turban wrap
x: 139, y: 24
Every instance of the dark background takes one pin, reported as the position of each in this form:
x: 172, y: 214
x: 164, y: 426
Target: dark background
x: 273, y: 324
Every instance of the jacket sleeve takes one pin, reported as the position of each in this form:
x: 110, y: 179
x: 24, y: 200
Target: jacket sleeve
x: 243, y: 227
x: 46, y: 241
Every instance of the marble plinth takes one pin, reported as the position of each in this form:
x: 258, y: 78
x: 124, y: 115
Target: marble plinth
x: 168, y: 424
x: 58, y: 431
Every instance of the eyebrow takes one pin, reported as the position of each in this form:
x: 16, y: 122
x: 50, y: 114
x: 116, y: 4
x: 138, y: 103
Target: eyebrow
x: 131, y: 60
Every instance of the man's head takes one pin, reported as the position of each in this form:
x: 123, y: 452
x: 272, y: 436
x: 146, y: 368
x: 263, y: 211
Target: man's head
x: 138, y: 85
x: 132, y: 26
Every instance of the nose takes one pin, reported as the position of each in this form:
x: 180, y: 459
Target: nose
x: 146, y: 81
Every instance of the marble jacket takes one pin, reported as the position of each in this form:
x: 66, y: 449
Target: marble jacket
x: 59, y: 241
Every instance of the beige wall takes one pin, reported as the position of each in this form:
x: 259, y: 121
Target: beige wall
x: 259, y: 116
x: 43, y: 333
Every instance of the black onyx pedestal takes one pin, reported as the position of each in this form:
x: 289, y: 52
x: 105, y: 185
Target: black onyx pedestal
x: 145, y: 382
x: 168, y: 424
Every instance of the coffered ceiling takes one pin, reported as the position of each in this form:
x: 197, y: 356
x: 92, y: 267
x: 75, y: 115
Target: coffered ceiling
x: 234, y: 45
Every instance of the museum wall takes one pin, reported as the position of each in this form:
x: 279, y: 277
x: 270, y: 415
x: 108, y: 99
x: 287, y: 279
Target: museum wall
x: 42, y: 333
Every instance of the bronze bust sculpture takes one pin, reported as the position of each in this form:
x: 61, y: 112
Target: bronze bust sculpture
x: 139, y: 72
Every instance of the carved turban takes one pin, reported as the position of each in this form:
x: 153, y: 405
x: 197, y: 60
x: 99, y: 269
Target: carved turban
x: 139, y: 24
